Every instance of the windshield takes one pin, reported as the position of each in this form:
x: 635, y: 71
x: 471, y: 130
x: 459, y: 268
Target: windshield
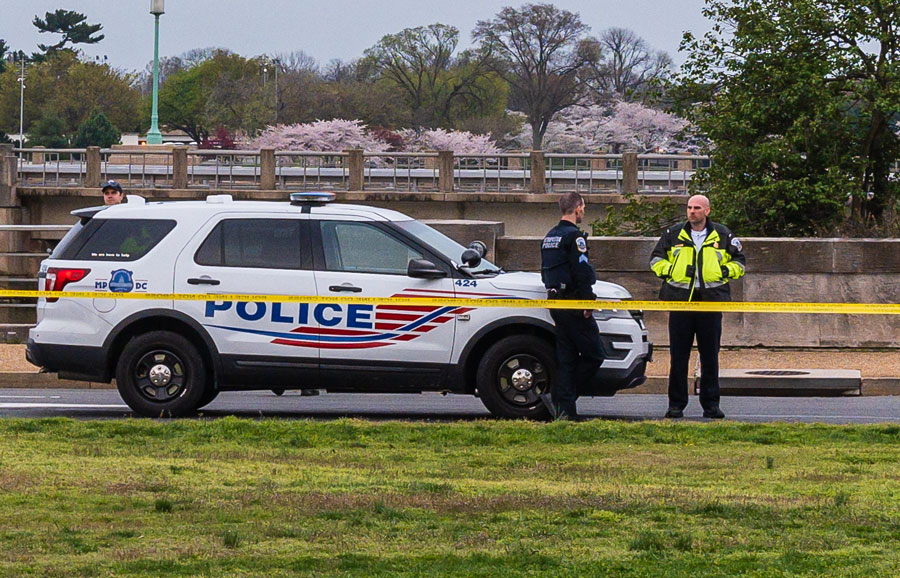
x: 445, y: 246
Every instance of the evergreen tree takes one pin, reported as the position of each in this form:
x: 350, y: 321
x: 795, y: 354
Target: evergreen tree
x: 49, y: 132
x: 4, y: 48
x: 73, y: 27
x: 96, y: 130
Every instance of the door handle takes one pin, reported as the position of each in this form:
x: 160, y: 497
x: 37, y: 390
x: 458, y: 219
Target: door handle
x: 202, y: 281
x: 350, y: 288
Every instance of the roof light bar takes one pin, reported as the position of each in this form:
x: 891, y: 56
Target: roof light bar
x: 312, y: 197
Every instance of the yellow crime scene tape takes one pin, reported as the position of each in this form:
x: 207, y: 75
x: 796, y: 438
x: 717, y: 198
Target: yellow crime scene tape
x: 705, y: 306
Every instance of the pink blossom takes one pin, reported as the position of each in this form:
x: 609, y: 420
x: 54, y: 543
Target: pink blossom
x: 320, y: 136
x: 460, y: 142
x: 590, y: 128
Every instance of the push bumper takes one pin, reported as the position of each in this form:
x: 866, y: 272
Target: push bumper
x: 607, y: 381
x: 76, y: 362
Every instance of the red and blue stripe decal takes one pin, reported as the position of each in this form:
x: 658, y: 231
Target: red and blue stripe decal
x: 392, y: 324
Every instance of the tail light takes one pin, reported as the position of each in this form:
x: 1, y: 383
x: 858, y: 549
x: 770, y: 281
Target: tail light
x: 57, y: 279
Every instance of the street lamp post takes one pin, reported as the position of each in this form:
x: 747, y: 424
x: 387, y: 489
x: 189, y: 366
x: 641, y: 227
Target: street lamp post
x: 277, y: 66
x: 22, y: 103
x: 157, y: 8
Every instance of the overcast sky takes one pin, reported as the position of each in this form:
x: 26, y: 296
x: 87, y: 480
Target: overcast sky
x: 324, y: 29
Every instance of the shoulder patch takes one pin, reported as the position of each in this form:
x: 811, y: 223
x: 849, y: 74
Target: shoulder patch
x: 580, y: 243
x: 736, y: 243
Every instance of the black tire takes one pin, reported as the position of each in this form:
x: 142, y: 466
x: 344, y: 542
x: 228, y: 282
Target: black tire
x: 161, y: 374
x: 209, y: 395
x: 528, y: 361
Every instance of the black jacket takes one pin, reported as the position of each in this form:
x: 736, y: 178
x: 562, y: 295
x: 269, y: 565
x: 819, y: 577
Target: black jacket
x: 675, y: 260
x: 564, y: 262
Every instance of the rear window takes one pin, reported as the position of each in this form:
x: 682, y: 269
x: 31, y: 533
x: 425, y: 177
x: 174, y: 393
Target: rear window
x: 258, y: 243
x: 67, y: 239
x: 114, y: 239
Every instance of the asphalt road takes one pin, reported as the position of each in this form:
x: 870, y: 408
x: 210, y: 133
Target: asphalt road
x: 106, y: 404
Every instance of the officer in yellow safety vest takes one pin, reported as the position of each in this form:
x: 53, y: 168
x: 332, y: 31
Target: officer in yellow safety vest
x: 696, y: 260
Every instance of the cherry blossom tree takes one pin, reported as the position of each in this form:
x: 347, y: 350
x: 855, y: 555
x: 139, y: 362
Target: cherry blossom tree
x: 641, y: 128
x: 321, y: 135
x: 588, y: 128
x: 460, y: 142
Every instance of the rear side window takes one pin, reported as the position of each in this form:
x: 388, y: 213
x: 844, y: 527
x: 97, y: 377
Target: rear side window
x: 259, y: 243
x: 115, y: 239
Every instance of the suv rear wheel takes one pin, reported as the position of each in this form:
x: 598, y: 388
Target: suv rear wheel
x: 513, y: 374
x: 161, y: 374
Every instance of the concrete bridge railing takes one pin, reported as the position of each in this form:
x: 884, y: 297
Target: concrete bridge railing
x: 178, y: 167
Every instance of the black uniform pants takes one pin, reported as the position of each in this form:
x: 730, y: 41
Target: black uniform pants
x: 578, y: 354
x: 707, y: 327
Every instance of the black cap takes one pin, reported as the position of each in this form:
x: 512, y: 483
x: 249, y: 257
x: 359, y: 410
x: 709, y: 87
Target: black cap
x: 110, y: 184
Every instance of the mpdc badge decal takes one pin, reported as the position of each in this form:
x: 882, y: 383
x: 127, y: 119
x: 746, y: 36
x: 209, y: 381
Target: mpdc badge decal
x: 121, y: 281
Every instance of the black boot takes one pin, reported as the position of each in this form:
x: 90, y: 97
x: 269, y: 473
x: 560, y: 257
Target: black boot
x: 674, y: 413
x: 713, y: 412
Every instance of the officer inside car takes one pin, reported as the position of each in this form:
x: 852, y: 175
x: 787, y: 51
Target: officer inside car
x: 112, y: 193
x: 568, y: 274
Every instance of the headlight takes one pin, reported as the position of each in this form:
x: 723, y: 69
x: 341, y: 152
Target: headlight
x: 638, y: 316
x: 606, y: 314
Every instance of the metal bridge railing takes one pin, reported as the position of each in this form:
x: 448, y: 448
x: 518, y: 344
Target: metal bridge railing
x: 445, y: 172
x: 396, y: 171
x: 56, y: 167
x: 144, y: 169
x: 302, y: 170
x: 219, y: 169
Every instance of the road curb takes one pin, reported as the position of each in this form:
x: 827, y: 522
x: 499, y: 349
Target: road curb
x: 880, y: 386
x: 35, y: 380
x: 870, y: 386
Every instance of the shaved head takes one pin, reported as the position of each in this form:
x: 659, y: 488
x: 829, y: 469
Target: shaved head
x: 699, y: 200
x: 697, y: 211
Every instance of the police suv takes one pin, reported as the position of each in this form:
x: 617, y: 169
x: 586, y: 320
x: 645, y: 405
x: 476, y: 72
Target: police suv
x: 171, y: 357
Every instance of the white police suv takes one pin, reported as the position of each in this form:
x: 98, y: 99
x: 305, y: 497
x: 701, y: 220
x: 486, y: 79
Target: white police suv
x: 170, y: 358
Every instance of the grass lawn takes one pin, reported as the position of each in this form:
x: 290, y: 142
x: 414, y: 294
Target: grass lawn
x: 233, y: 497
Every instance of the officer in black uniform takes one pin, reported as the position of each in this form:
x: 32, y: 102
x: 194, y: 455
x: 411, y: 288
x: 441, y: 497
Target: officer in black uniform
x: 567, y: 274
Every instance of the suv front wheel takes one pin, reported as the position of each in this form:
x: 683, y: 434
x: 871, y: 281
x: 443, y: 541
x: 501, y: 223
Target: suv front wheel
x: 513, y: 374
x: 161, y: 374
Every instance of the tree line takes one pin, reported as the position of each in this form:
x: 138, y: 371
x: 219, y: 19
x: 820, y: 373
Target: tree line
x: 418, y: 77
x: 797, y: 103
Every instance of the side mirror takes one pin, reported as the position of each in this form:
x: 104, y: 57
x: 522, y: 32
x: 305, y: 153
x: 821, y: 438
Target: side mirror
x: 474, y: 253
x: 478, y: 246
x: 424, y: 269
x: 471, y: 258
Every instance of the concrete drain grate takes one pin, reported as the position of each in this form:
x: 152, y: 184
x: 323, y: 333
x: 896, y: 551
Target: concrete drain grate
x: 789, y: 382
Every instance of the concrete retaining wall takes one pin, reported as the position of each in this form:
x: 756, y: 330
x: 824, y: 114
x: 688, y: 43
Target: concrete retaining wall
x: 797, y: 270
x: 784, y: 269
x: 521, y: 213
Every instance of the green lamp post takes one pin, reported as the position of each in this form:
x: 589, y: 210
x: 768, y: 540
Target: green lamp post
x: 157, y: 8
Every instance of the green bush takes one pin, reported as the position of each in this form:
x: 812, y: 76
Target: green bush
x: 639, y: 217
